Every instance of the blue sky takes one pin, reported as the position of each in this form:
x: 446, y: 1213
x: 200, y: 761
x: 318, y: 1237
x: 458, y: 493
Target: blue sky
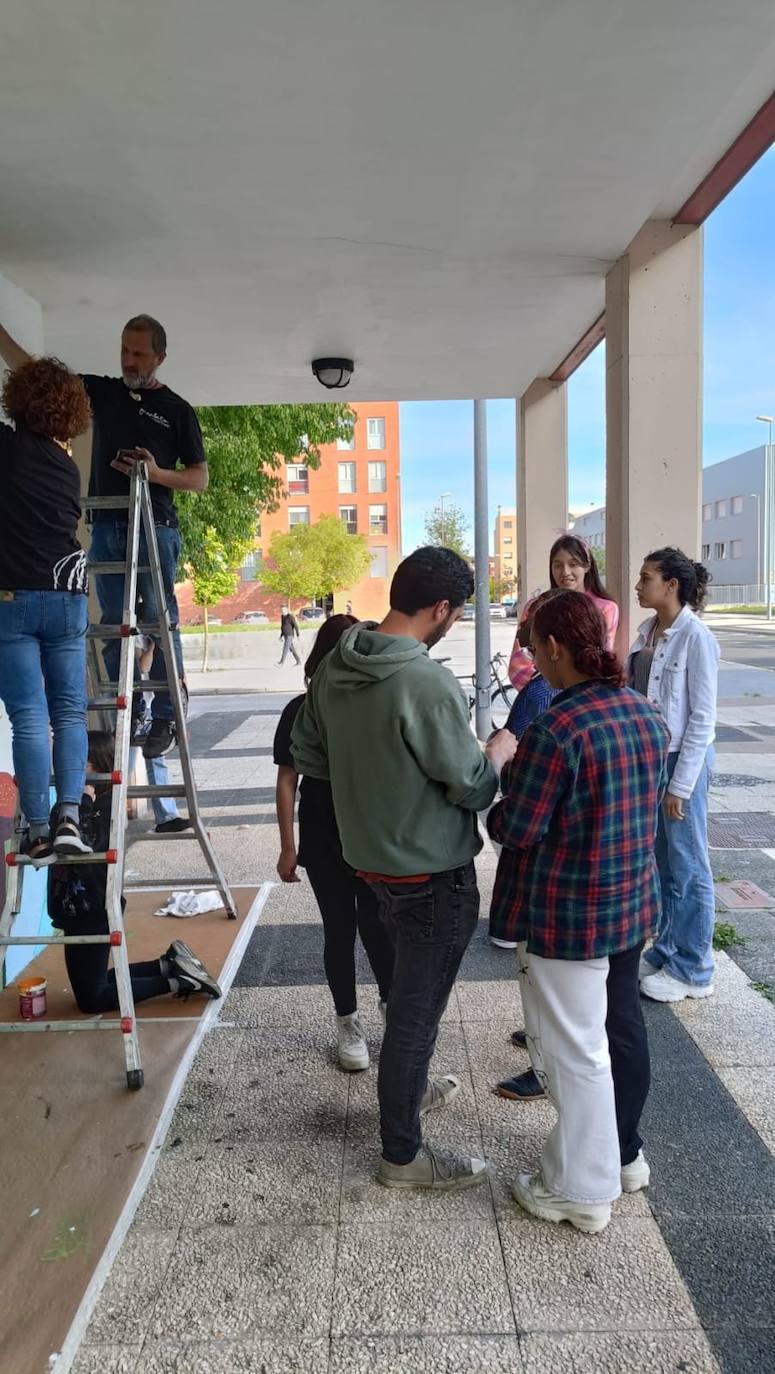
x: 739, y: 345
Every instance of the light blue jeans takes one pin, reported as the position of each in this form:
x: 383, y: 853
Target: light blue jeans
x: 164, y: 808
x: 42, y: 680
x: 684, y: 945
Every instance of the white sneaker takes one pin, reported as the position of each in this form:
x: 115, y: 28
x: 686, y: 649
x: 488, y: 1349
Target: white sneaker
x: 503, y: 944
x: 646, y: 969
x: 440, y: 1092
x: 351, y: 1048
x: 636, y: 1175
x: 531, y: 1192
x: 663, y: 987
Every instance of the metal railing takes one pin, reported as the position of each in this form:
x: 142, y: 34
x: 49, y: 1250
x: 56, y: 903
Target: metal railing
x: 736, y: 594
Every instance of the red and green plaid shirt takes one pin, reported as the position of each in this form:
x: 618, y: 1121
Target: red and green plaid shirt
x: 577, y: 877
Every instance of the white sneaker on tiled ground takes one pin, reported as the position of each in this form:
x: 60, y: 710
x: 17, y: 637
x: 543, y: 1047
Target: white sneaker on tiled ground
x: 351, y: 1048
x: 646, y: 969
x: 502, y: 944
x: 440, y: 1092
x: 531, y: 1192
x: 663, y: 987
x: 636, y: 1175
x: 443, y: 1170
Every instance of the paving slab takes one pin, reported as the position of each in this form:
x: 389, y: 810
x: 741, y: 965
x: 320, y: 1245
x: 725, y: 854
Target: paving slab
x: 236, y: 1357
x: 106, y: 1359
x: 427, y: 1355
x: 128, y: 1298
x: 617, y: 1353
x: 754, y: 1092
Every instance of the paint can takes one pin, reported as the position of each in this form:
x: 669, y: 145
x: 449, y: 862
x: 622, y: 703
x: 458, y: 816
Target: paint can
x: 33, y: 1003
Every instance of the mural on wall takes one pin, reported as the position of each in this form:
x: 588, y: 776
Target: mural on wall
x: 33, y: 917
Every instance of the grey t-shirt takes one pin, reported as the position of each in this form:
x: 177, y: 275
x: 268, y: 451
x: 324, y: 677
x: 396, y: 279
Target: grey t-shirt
x: 641, y: 668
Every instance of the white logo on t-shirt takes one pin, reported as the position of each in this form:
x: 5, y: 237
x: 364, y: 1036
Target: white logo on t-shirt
x: 159, y: 419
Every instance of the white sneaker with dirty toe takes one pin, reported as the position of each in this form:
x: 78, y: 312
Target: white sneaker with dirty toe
x: 531, y: 1192
x: 636, y: 1175
x: 351, y: 1048
x: 663, y: 987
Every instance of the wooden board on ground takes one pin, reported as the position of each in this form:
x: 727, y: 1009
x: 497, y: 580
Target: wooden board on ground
x: 73, y: 1138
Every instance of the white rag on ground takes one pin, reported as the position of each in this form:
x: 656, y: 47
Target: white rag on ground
x: 191, y: 903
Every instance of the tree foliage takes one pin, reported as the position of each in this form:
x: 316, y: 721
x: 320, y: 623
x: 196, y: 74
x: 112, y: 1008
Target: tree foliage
x: 448, y: 528
x: 215, y: 575
x: 246, y: 448
x: 312, y: 560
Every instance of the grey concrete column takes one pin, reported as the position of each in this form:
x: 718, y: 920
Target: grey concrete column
x: 542, y: 479
x: 653, y: 406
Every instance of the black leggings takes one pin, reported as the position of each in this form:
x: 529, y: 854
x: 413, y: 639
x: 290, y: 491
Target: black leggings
x: 629, y: 1048
x: 347, y: 905
x: 94, y: 984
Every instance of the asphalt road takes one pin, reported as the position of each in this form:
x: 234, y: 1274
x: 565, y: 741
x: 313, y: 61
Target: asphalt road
x: 752, y: 646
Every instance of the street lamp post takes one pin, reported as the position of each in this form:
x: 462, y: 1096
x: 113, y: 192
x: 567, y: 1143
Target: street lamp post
x: 769, y: 511
x: 445, y: 495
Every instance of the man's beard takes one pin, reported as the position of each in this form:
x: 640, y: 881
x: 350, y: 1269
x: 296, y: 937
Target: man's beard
x: 439, y: 633
x: 142, y: 379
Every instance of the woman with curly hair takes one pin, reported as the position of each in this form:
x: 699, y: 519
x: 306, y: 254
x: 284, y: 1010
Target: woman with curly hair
x: 572, y: 568
x: 43, y: 603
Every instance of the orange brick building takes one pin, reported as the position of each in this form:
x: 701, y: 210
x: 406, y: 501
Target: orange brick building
x: 361, y: 483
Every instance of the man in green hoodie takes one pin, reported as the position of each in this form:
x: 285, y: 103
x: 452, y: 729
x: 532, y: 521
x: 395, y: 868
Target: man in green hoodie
x: 388, y: 726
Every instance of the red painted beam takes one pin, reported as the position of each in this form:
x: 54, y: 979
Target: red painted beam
x: 751, y: 144
x: 594, y: 335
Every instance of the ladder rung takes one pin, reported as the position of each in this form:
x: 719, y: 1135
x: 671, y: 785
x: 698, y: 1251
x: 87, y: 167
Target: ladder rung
x: 144, y: 686
x: 105, y: 502
x: 75, y: 1025
x: 109, y: 856
x: 154, y: 790
x: 117, y: 631
x: 172, y: 835
x: 106, y: 704
x: 115, y: 568
x: 55, y: 939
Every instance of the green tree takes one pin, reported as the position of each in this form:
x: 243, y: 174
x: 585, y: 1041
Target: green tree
x: 600, y: 560
x: 215, y: 576
x: 247, y: 447
x: 312, y: 560
x: 448, y: 528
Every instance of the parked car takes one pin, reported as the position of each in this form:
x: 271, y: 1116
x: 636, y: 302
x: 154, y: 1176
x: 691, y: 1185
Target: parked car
x: 497, y: 611
x: 312, y: 613
x: 251, y: 618
x: 512, y: 609
x: 214, y: 620
x: 469, y: 611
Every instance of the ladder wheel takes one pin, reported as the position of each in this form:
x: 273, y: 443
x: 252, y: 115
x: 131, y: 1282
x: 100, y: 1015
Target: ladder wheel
x: 134, y: 1079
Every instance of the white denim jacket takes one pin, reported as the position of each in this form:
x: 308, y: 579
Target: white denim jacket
x: 683, y: 685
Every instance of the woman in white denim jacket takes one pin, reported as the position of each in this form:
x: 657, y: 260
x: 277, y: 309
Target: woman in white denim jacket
x: 674, y: 662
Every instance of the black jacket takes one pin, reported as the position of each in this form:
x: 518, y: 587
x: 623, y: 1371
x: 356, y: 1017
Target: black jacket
x: 76, y: 892
x: 288, y: 626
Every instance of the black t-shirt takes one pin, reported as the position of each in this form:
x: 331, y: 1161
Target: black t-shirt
x: 140, y: 417
x: 288, y: 626
x: 40, y: 506
x: 318, y: 831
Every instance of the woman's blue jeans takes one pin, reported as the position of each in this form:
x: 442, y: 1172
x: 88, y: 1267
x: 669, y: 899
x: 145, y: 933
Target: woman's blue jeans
x: 42, y: 680
x: 684, y: 945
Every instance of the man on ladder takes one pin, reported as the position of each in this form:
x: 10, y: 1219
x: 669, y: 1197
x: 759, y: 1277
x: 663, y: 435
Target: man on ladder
x: 137, y: 417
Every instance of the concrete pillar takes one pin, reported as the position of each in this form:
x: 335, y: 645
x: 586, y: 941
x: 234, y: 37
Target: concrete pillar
x: 653, y: 406
x: 542, y: 479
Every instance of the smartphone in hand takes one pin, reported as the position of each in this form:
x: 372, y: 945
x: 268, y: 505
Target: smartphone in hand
x: 124, y: 459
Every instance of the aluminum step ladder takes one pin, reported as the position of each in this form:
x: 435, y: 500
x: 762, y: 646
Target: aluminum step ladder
x: 109, y: 699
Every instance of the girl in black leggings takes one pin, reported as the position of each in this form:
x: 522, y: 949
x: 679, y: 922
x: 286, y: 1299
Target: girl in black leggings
x: 347, y: 904
x: 76, y: 905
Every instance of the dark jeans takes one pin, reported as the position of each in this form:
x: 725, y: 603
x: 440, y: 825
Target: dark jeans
x: 94, y: 984
x: 347, y: 905
x: 629, y: 1049
x: 108, y: 545
x: 431, y: 924
x: 289, y: 648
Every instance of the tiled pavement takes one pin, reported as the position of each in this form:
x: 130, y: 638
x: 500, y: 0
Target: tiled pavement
x: 264, y: 1244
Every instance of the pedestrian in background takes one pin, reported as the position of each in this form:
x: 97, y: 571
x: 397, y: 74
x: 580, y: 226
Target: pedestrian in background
x: 289, y: 630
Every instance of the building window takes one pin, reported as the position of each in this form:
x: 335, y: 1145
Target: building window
x: 297, y: 479
x: 346, y: 445
x: 347, y: 479
x: 298, y: 515
x: 379, y: 562
x: 375, y: 433
x: 737, y: 507
x: 737, y: 548
x: 720, y: 550
x: 507, y: 524
x: 705, y: 551
x: 377, y: 519
x: 707, y: 512
x: 507, y: 539
x: 721, y: 510
x: 250, y: 566
x: 349, y: 518
x: 378, y: 476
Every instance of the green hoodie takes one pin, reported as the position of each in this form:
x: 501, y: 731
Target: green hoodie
x: 388, y: 726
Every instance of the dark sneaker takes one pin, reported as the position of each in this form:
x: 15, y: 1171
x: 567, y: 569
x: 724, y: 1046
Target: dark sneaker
x: 441, y: 1170
x: 174, y: 826
x: 524, y: 1088
x: 189, y: 971
x: 519, y: 1038
x: 69, y: 840
x: 160, y: 739
x: 40, y: 851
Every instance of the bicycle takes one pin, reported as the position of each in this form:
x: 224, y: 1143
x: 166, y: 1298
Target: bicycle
x: 496, y: 686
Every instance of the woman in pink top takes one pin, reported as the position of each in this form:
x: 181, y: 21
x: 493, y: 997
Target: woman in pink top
x: 572, y: 567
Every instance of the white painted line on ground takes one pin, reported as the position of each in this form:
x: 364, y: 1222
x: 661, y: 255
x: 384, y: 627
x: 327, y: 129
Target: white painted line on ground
x: 61, y: 1361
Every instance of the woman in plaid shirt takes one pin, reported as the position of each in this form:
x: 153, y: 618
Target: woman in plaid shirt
x: 577, y: 823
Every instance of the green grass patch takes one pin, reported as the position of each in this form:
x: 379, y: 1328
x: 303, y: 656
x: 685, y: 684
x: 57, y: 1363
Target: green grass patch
x: 766, y: 990
x: 244, y: 629
x: 725, y: 935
